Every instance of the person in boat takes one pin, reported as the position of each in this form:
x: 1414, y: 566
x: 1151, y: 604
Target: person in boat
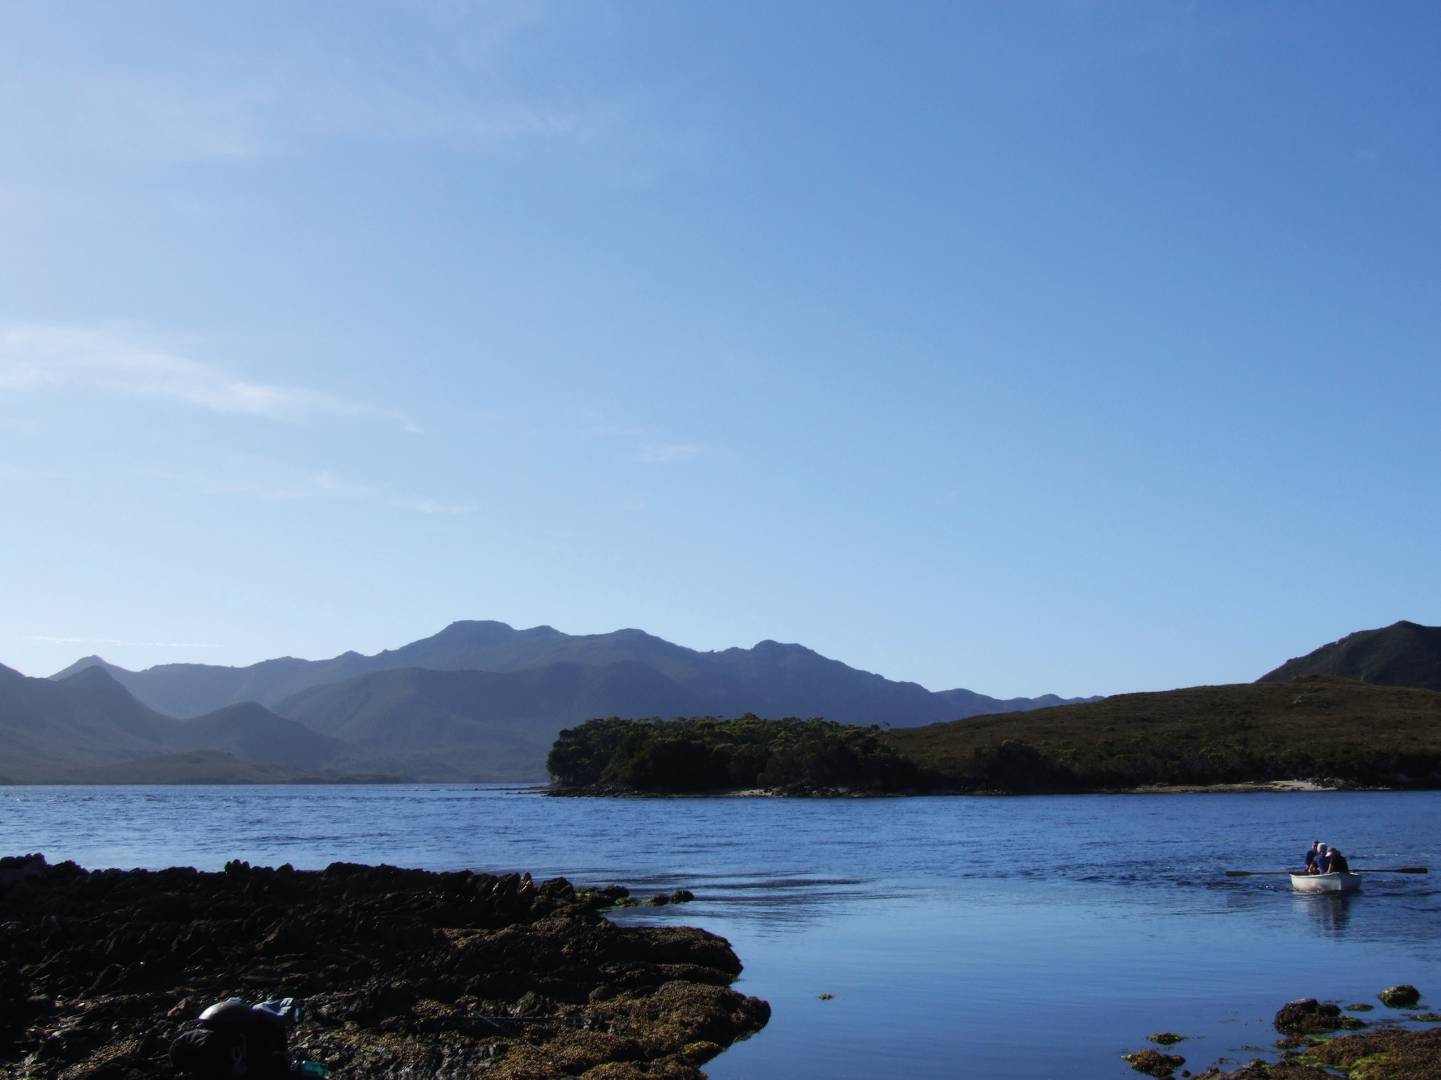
x: 1321, y: 857
x: 1336, y: 863
x: 1311, y: 862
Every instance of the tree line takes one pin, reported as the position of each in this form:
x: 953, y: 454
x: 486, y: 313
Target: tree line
x: 693, y: 754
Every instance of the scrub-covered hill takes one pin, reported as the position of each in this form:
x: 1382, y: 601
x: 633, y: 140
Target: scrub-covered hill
x: 1326, y: 729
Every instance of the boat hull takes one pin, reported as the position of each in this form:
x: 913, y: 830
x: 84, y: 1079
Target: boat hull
x: 1326, y: 883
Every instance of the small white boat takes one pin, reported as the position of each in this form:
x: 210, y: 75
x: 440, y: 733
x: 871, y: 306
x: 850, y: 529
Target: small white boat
x: 1326, y: 883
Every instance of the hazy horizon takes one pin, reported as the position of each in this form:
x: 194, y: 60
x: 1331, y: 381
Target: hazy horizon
x: 1066, y: 347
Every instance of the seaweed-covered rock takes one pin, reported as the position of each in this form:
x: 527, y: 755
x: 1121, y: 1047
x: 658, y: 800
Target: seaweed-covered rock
x: 402, y: 973
x: 1306, y: 1016
x: 1153, y: 1062
x: 1400, y: 996
x: 1165, y: 1038
x: 1388, y: 1054
x: 1267, y: 1070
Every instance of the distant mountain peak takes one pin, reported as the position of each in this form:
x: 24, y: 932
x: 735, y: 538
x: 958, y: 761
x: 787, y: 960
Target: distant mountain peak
x: 631, y: 633
x: 91, y: 662
x: 470, y: 626
x: 91, y: 673
x: 770, y: 645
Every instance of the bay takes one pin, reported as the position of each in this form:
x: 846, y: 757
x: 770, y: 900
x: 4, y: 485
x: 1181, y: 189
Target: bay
x: 990, y: 937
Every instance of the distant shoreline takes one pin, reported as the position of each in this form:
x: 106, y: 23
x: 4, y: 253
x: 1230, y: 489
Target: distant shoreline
x: 539, y: 788
x: 1250, y: 787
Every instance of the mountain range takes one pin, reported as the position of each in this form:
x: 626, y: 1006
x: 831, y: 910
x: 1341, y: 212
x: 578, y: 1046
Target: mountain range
x: 479, y: 700
x: 485, y: 701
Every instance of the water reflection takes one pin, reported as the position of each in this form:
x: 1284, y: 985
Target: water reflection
x: 767, y: 903
x: 1329, y: 915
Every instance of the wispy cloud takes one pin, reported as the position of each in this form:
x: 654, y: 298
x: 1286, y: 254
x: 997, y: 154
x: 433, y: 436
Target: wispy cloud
x: 271, y: 484
x: 54, y: 639
x: 37, y: 357
x: 644, y: 444
x: 423, y: 505
x: 612, y: 431
x: 669, y: 453
x: 320, y: 484
x: 152, y: 119
x: 451, y: 74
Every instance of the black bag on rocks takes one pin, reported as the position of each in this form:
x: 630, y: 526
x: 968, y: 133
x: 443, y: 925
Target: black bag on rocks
x: 235, y: 1040
x: 209, y: 1055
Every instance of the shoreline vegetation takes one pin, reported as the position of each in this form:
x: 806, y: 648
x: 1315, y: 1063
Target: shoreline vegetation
x: 1315, y: 733
x: 399, y: 972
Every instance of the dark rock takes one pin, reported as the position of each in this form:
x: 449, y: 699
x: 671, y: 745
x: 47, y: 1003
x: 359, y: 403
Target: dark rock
x: 1387, y: 1053
x: 17, y: 868
x: 110, y: 976
x: 1400, y: 996
x: 1153, y: 1062
x: 1306, y: 1016
x: 404, y: 972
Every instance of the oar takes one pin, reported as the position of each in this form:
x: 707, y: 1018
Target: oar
x: 1368, y: 870
x: 1259, y: 873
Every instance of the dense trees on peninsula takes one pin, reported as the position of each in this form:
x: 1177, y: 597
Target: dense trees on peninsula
x: 707, y: 754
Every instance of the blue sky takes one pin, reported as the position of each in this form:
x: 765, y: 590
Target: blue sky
x: 1075, y: 347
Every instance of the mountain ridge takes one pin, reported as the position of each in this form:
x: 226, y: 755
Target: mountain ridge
x: 86, y: 725
x: 769, y: 678
x: 481, y: 700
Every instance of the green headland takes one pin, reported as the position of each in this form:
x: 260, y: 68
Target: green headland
x: 1314, y: 731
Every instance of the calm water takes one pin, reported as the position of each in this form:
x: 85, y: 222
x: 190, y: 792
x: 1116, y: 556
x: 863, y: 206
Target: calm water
x: 1022, y: 937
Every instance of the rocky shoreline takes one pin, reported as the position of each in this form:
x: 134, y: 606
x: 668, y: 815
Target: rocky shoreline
x: 1313, y: 1047
x: 400, y: 972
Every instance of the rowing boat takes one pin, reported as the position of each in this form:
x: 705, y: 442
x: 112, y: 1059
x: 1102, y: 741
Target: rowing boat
x: 1326, y: 883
